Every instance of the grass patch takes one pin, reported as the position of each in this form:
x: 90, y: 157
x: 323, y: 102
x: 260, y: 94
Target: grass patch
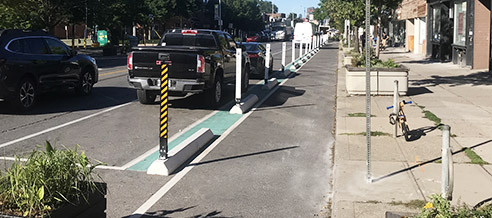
x: 475, y: 159
x: 375, y: 133
x: 415, y: 204
x: 432, y: 117
x: 438, y: 161
x: 358, y: 115
x: 372, y: 202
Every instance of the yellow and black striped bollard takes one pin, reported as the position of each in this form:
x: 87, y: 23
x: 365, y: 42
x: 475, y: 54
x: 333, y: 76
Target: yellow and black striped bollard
x: 163, y: 121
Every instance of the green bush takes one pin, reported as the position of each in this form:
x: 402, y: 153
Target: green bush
x: 359, y: 60
x: 441, y: 208
x: 47, y: 180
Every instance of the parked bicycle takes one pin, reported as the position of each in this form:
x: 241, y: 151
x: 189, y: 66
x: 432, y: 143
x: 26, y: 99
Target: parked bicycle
x: 401, y: 119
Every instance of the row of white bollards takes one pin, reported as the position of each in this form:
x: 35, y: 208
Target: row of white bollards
x: 242, y: 105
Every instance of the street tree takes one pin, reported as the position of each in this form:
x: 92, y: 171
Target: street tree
x: 266, y: 7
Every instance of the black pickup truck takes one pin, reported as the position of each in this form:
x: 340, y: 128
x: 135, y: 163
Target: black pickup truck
x: 199, y: 61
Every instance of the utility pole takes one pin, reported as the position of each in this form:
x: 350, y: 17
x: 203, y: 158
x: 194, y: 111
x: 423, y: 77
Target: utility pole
x: 220, y: 15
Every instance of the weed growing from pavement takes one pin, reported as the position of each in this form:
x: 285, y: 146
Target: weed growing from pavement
x: 375, y: 133
x: 432, y: 117
x: 358, y: 115
x: 475, y: 159
x: 411, y: 204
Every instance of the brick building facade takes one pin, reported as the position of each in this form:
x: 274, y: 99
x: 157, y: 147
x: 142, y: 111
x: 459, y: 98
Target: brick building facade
x: 459, y: 31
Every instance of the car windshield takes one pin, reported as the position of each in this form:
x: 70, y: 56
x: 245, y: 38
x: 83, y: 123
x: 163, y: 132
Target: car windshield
x: 199, y: 40
x: 250, y: 47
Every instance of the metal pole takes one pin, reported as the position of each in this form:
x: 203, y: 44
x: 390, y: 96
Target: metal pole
x: 239, y: 56
x: 395, y: 106
x: 267, y: 63
x: 85, y: 30
x: 293, y: 51
x: 284, y: 48
x: 446, y: 165
x: 368, y: 92
x: 220, y: 15
x: 163, y: 145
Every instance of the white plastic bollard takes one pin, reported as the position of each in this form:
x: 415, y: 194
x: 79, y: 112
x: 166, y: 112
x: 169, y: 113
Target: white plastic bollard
x: 300, y: 50
x: 293, y: 51
x: 239, y: 56
x: 447, y: 169
x: 267, y: 63
x: 395, y: 106
x: 284, y: 48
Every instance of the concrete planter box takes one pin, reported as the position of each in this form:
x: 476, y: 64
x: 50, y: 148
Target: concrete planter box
x: 382, y: 80
x: 347, y: 50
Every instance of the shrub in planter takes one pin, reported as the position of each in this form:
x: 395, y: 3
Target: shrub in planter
x: 440, y: 207
x: 46, y: 182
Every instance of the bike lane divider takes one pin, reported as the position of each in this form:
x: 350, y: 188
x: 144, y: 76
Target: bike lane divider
x: 218, y: 123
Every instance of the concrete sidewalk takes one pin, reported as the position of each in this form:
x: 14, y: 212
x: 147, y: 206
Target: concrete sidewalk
x: 402, y: 171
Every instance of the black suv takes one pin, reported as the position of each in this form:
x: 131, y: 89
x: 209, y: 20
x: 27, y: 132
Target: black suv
x: 33, y: 62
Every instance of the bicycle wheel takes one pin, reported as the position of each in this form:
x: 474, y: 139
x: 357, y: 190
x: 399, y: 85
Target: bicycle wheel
x: 405, y: 130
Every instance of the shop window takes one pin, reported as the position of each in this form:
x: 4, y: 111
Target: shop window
x: 436, y: 23
x: 460, y: 23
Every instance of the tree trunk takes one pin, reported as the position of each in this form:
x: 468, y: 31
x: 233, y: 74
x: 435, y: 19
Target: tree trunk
x: 356, y: 39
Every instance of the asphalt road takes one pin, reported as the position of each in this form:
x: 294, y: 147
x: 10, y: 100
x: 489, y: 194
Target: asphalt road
x: 112, y: 127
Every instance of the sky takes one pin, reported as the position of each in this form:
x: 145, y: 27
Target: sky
x: 297, y: 6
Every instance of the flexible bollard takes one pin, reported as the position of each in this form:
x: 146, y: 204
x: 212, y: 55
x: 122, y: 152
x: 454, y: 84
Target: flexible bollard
x: 300, y: 49
x: 447, y: 169
x: 239, y: 60
x: 267, y: 63
x: 395, y: 106
x: 293, y: 51
x: 284, y: 45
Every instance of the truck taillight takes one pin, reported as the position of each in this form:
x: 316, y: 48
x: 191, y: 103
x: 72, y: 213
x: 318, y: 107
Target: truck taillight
x: 129, y: 61
x: 200, y: 64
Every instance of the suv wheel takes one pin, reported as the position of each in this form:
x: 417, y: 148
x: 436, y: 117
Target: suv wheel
x: 85, y: 84
x: 145, y: 97
x: 25, y: 95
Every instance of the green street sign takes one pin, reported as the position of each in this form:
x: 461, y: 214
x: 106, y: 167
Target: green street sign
x: 102, y: 37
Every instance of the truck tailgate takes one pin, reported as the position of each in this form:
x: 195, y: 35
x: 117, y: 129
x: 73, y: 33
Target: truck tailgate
x: 182, y: 63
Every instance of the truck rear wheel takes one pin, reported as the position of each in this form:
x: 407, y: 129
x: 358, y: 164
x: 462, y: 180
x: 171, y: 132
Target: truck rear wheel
x: 145, y: 97
x: 214, y: 94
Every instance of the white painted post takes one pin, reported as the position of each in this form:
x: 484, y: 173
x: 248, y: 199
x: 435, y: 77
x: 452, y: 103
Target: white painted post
x: 284, y: 48
x: 239, y: 56
x: 293, y: 51
x: 396, y: 107
x: 300, y: 49
x: 447, y: 173
x: 267, y: 63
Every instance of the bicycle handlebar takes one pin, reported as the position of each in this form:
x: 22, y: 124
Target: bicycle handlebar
x: 405, y: 102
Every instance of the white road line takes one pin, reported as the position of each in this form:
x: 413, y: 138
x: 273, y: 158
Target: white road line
x: 13, y: 159
x: 170, y: 184
x: 25, y: 160
x: 63, y: 125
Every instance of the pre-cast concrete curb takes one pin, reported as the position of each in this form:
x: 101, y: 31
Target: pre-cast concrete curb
x: 245, y: 105
x: 181, y: 153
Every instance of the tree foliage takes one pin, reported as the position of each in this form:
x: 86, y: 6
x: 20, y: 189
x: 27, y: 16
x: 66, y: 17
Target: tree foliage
x: 115, y: 15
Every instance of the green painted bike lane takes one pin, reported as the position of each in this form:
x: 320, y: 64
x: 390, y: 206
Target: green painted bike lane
x: 218, y: 123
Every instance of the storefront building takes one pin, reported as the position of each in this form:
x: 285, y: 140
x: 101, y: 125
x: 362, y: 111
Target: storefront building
x: 414, y: 15
x: 459, y: 31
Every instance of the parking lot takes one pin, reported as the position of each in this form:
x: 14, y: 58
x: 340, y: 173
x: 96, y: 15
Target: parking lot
x: 112, y: 127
